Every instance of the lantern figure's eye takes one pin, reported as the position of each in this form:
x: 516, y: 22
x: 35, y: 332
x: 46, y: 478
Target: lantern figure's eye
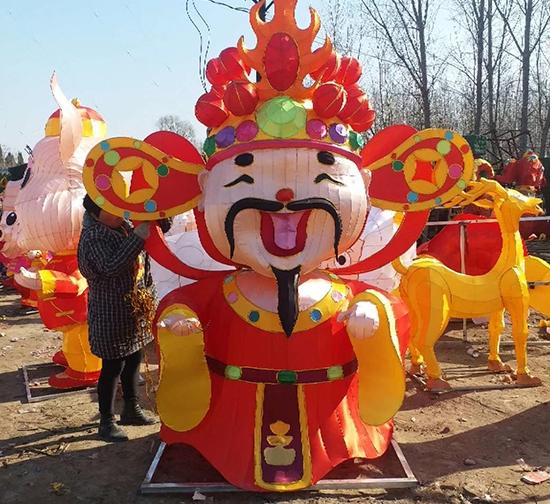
x: 344, y: 259
x: 326, y: 158
x: 245, y: 159
x: 11, y: 219
x: 247, y: 179
x: 326, y: 176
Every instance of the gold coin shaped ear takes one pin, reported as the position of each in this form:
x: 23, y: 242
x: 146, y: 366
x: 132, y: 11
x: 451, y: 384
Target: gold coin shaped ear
x: 427, y: 169
x: 136, y: 180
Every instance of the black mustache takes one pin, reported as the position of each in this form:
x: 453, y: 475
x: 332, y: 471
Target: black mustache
x: 327, y: 206
x: 245, y: 204
x: 275, y: 206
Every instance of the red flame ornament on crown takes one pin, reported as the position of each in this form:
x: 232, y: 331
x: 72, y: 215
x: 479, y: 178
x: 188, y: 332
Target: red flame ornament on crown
x: 304, y: 97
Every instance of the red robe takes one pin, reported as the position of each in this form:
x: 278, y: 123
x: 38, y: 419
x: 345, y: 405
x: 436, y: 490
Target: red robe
x: 64, y: 297
x: 318, y: 422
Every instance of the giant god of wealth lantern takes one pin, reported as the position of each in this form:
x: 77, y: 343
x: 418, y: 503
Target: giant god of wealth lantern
x: 277, y: 370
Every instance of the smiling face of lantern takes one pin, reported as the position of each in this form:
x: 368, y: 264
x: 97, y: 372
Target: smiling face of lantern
x: 9, y: 220
x: 284, y: 208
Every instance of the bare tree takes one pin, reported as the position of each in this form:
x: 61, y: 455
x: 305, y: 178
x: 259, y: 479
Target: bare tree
x: 473, y: 14
x: 10, y: 160
x: 535, y: 18
x: 497, y: 44
x: 176, y: 125
x: 542, y: 78
x: 344, y: 23
x: 351, y: 31
x: 491, y: 65
x: 477, y: 87
x: 479, y: 22
x: 406, y: 26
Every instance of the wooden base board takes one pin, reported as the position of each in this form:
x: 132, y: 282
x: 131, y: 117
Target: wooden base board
x: 182, y: 482
x: 36, y: 382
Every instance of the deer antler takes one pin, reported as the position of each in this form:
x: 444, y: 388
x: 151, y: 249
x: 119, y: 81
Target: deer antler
x: 492, y: 187
x: 476, y: 190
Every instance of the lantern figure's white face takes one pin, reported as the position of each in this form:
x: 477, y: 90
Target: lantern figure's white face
x: 10, y: 222
x: 284, y: 208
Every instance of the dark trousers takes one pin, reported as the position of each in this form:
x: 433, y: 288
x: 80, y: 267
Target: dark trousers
x: 125, y: 369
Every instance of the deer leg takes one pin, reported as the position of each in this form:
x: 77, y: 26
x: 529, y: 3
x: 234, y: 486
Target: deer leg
x: 496, y: 326
x: 417, y: 360
x: 430, y: 302
x: 519, y: 310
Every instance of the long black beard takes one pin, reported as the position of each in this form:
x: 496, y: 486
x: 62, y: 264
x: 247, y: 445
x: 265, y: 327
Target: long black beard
x: 287, y: 291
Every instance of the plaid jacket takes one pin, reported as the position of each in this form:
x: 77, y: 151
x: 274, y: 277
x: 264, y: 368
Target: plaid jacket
x: 108, y: 259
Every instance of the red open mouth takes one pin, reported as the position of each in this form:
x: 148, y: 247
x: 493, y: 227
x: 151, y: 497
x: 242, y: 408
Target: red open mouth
x: 284, y: 234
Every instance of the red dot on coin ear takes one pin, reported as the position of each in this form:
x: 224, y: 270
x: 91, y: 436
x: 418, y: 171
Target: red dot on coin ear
x: 89, y: 162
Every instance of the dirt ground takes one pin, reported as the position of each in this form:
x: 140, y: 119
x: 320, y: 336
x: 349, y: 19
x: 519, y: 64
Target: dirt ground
x: 463, y: 447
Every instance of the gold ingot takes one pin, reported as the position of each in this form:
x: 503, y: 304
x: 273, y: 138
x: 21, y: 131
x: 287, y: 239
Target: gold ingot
x: 279, y: 456
x: 279, y: 428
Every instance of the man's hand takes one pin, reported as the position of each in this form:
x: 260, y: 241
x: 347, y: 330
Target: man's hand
x: 165, y: 224
x: 180, y: 326
x: 361, y: 319
x: 143, y: 229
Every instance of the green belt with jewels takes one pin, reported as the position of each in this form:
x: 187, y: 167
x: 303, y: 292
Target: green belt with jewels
x: 282, y: 376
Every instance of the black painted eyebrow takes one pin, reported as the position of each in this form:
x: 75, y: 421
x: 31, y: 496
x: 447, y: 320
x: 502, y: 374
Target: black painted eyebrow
x: 326, y: 158
x: 245, y: 159
x: 325, y: 176
x: 243, y: 178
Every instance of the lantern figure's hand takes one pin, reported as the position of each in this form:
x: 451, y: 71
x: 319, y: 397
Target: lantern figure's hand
x: 28, y: 279
x: 34, y: 254
x: 181, y: 326
x: 362, y: 320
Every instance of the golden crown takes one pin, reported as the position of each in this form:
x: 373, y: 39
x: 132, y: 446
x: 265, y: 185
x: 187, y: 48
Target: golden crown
x: 303, y: 97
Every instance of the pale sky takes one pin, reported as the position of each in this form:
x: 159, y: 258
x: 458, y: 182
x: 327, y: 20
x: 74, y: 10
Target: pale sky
x: 131, y: 60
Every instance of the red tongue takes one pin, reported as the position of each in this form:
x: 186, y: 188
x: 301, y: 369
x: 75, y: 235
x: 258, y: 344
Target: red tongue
x: 284, y: 234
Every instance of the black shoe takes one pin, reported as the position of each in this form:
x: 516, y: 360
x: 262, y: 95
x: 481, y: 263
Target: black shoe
x: 109, y: 431
x: 132, y: 414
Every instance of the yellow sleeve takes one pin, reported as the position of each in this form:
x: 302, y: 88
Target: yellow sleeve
x: 381, y: 373
x: 56, y: 282
x: 183, y: 396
